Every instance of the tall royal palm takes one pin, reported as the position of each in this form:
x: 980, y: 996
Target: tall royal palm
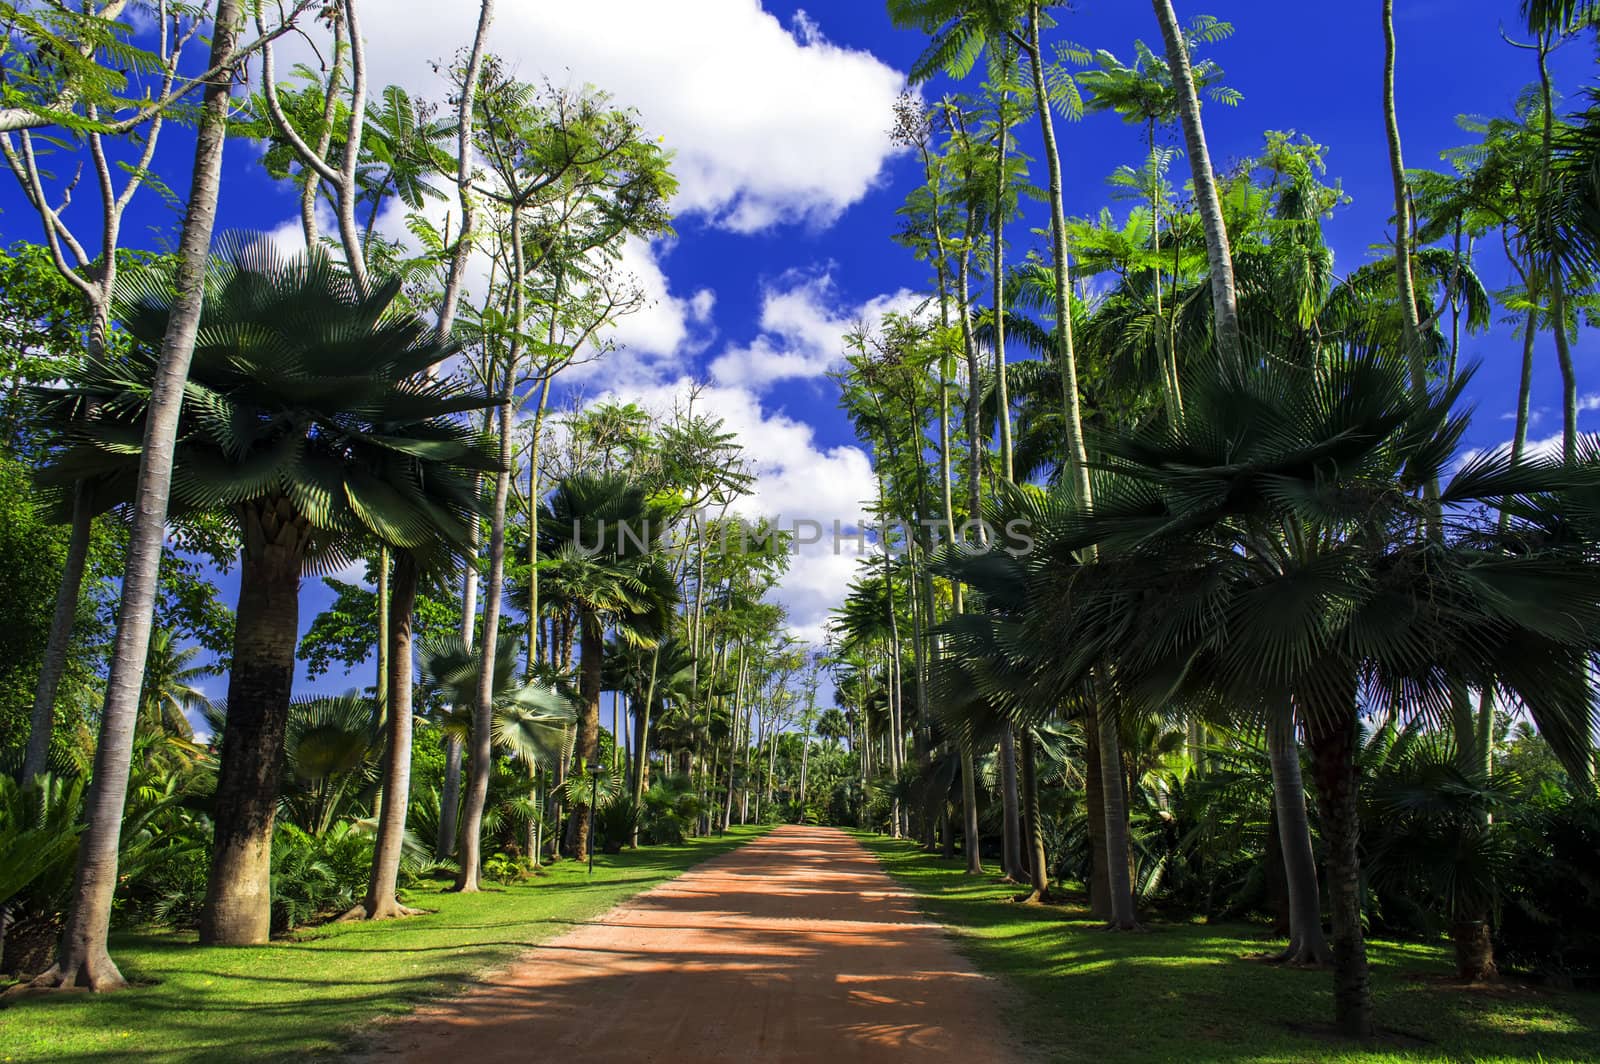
x: 599, y: 539
x: 309, y: 420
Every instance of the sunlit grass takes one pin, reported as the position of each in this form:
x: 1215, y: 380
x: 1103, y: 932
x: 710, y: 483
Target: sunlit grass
x: 1184, y: 991
x: 306, y: 996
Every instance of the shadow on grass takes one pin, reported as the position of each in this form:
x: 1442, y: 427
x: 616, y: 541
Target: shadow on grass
x: 1186, y: 992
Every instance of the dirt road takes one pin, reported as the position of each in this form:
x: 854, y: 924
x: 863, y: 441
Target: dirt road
x: 796, y: 947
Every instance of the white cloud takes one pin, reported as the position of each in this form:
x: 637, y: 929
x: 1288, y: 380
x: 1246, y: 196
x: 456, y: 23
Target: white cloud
x: 796, y: 478
x: 768, y: 124
x: 802, y: 332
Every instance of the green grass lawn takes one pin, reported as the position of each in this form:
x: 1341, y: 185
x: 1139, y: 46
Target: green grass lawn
x: 306, y: 996
x: 1183, y: 992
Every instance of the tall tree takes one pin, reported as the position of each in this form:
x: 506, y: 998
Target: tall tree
x: 83, y: 959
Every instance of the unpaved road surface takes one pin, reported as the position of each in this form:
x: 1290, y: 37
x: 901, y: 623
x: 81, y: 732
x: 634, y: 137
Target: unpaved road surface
x: 795, y: 947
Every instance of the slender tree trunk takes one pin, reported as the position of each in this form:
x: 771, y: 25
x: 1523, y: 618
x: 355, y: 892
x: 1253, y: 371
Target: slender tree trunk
x: 1405, y: 280
x: 591, y: 645
x: 83, y: 959
x: 1118, y: 876
x: 1095, y: 806
x: 450, y: 793
x: 1332, y: 739
x: 1219, y: 256
x: 1306, y: 942
x: 482, y: 751
x: 1038, y: 870
x: 465, y: 112
x: 54, y: 663
x: 238, y: 905
x: 381, y: 902
x: 1011, y: 827
x: 1066, y: 352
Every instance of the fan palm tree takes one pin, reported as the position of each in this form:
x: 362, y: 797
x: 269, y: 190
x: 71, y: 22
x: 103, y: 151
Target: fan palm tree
x: 309, y: 420
x: 531, y: 720
x: 599, y: 547
x: 1273, y: 546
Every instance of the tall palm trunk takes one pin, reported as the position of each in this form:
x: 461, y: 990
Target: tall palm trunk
x: 83, y: 959
x: 1219, y: 256
x: 591, y: 645
x: 1306, y: 942
x: 381, y: 902
x: 1332, y: 739
x: 54, y: 663
x: 238, y: 904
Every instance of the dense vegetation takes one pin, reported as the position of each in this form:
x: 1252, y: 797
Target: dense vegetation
x: 1187, y: 600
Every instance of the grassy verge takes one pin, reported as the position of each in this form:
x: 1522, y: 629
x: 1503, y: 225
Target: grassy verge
x: 305, y: 996
x: 1184, y: 991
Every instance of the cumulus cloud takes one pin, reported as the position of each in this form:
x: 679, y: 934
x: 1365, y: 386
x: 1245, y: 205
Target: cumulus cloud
x: 796, y: 479
x: 803, y: 326
x: 769, y: 123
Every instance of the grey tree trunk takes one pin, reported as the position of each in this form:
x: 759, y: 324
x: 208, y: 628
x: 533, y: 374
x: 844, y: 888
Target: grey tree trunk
x: 83, y: 959
x: 1219, y: 256
x: 481, y: 750
x: 381, y: 902
x: 1306, y: 942
x: 450, y: 792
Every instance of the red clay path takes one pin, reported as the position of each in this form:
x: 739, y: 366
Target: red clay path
x: 795, y: 947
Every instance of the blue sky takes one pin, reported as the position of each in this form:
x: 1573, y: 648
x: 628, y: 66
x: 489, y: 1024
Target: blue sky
x: 779, y: 114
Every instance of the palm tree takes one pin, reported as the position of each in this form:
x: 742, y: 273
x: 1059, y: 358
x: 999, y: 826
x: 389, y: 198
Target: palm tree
x: 170, y: 686
x: 1224, y: 296
x: 309, y: 421
x: 531, y: 720
x: 599, y: 545
x: 1280, y: 527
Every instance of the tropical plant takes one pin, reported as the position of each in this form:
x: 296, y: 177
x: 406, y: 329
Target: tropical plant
x: 310, y: 421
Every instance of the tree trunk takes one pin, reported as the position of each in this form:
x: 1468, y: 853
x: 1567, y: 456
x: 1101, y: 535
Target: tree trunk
x: 54, y: 663
x: 1011, y: 829
x: 1118, y: 877
x: 1306, y: 942
x: 591, y: 645
x: 481, y: 760
x: 1065, y: 351
x: 1332, y: 739
x: 238, y: 905
x: 450, y: 792
x: 971, y: 838
x: 381, y: 902
x: 1219, y: 256
x: 1038, y: 870
x: 1095, y: 806
x: 1474, y: 948
x: 83, y: 959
